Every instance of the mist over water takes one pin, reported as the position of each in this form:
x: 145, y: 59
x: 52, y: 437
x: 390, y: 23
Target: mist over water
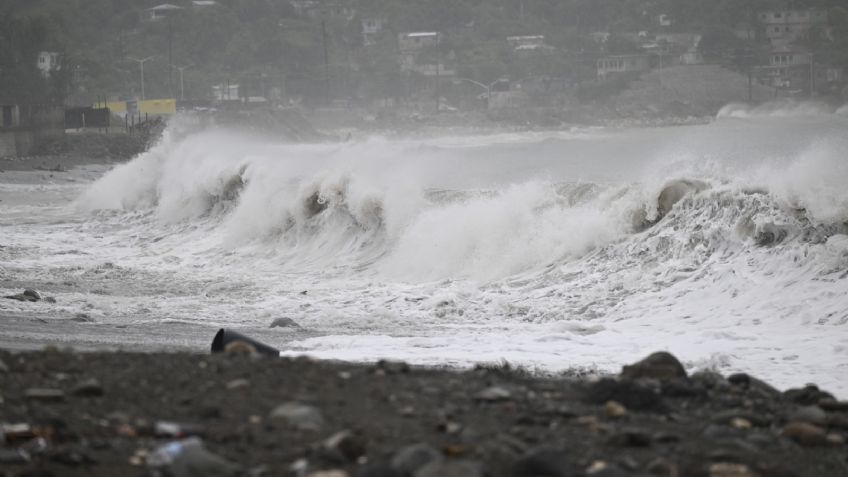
x: 725, y: 243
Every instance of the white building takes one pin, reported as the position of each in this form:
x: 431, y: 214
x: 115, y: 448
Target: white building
x: 160, y: 12
x: 786, y: 26
x: 48, y: 62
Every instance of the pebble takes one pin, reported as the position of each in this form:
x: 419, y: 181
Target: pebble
x: 238, y: 383
x: 329, y: 473
x: 810, y: 414
x: 299, y: 416
x: 805, y: 434
x: 835, y: 439
x: 44, y: 394
x: 725, y: 469
x: 346, y: 444
x: 88, y: 388
x: 741, y: 423
x: 614, y: 410
x: 638, y: 395
x: 661, y: 365
x: 494, y: 393
x: 461, y: 468
x: 411, y: 458
x: 544, y: 461
x: 631, y: 438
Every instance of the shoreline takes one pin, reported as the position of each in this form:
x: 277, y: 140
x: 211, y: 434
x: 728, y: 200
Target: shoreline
x: 71, y: 413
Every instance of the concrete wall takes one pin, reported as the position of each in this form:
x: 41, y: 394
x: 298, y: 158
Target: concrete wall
x: 15, y: 143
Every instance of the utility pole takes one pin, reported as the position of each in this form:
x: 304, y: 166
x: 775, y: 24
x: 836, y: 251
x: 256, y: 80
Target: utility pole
x: 141, y: 65
x: 170, y: 57
x: 812, y: 76
x: 326, y: 60
x: 181, y: 69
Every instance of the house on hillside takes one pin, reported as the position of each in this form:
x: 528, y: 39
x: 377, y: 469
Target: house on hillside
x: 316, y: 9
x: 414, y: 42
x: 48, y: 62
x: 787, y: 26
x: 622, y: 64
x: 371, y: 29
x: 160, y: 12
x: 787, y: 68
x: 527, y: 43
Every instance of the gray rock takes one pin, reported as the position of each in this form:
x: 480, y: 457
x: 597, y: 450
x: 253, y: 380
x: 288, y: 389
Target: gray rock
x: 300, y: 416
x: 752, y: 384
x: 346, y: 444
x: 29, y: 292
x: 378, y: 470
x: 4, y: 368
x: 44, y: 394
x: 49, y: 299
x: 411, y: 458
x: 546, y: 462
x: 661, y: 365
x: 88, y: 388
x: 462, y: 468
x: 82, y: 318
x: 810, y: 414
x: 494, y: 393
x: 285, y: 323
x: 631, y: 438
x: 710, y: 380
x: 805, y: 434
x: 637, y: 395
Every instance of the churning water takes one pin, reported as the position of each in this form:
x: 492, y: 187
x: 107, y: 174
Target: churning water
x: 725, y: 244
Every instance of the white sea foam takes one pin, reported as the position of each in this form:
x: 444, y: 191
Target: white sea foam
x: 724, y: 243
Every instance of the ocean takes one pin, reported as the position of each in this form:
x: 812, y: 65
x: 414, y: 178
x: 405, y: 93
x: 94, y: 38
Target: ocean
x: 725, y: 244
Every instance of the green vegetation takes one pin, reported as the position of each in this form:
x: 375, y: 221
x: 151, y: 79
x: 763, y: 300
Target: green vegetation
x: 266, y: 44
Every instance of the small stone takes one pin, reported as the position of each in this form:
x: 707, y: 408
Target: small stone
x: 82, y: 318
x: 238, y: 383
x: 740, y: 423
x: 805, y: 434
x: 833, y: 405
x: 411, y: 458
x: 726, y: 469
x: 661, y: 365
x: 299, y: 416
x: 49, y: 299
x: 348, y: 445
x: 88, y: 388
x: 329, y: 473
x: 494, y: 393
x: 29, y: 292
x: 44, y: 394
x: 544, y: 462
x: 752, y: 384
x: 808, y: 395
x: 661, y: 467
x: 442, y: 468
x: 835, y: 440
x: 810, y: 414
x: 638, y: 395
x: 631, y: 438
x: 614, y: 410
x: 284, y: 323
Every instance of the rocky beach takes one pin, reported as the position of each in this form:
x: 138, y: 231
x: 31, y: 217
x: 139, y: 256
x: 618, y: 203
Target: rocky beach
x: 67, y: 413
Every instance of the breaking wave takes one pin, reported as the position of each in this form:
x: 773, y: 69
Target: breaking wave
x: 779, y: 109
x: 427, y: 211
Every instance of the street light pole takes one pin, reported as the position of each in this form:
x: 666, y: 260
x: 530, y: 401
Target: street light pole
x: 181, y: 69
x: 141, y: 65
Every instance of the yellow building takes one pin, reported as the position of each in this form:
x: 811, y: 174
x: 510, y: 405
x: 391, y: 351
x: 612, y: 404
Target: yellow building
x: 150, y: 107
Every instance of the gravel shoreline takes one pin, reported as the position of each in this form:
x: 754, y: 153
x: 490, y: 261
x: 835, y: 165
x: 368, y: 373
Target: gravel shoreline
x: 66, y: 413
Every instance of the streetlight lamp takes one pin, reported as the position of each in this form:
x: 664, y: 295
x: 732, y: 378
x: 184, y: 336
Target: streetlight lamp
x: 141, y: 62
x: 181, y: 69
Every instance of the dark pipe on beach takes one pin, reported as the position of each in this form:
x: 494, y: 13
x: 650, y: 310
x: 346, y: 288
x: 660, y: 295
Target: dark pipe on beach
x: 225, y: 337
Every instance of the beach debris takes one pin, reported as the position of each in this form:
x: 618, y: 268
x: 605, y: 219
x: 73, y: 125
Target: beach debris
x: 188, y: 458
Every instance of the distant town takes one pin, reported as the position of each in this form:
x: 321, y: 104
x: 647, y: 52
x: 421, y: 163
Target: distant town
x: 116, y: 64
